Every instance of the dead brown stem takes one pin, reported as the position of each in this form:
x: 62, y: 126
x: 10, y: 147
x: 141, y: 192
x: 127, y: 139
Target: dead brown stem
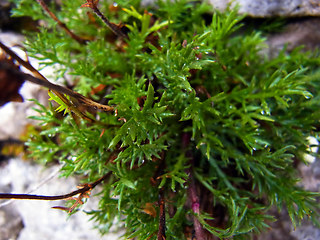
x: 77, y: 99
x: 61, y: 24
x: 162, y: 216
x: 192, y: 192
x: 113, y: 27
x: 195, y: 207
x: 83, y: 192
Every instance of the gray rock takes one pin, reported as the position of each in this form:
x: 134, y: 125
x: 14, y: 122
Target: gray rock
x: 36, y: 220
x: 305, y: 32
x: 282, y: 228
x: 10, y: 223
x: 307, y: 232
x: 271, y: 8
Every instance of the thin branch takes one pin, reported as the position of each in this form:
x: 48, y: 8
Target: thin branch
x: 162, y: 216
x: 44, y: 181
x: 195, y: 207
x: 43, y: 197
x: 161, y: 201
x: 25, y: 64
x: 113, y: 27
x: 86, y: 188
x: 54, y: 87
x: 192, y: 192
x: 151, y: 236
x: 61, y: 24
x: 78, y: 99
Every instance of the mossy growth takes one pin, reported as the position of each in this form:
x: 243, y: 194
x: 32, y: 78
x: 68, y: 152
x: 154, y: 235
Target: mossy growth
x: 207, y: 130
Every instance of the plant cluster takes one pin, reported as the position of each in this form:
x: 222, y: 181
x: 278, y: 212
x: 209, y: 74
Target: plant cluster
x: 205, y: 131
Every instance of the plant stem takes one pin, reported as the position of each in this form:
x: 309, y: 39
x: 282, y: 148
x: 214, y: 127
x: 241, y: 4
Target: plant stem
x: 162, y: 216
x: 61, y: 24
x: 195, y: 206
x: 192, y: 192
x: 41, y: 80
x: 113, y: 27
x: 87, y: 187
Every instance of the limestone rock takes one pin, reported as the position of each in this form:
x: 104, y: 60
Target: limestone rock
x: 304, y: 32
x: 11, y: 221
x: 271, y: 8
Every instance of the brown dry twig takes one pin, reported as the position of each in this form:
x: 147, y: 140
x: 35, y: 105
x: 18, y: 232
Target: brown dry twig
x: 61, y: 24
x: 162, y: 216
x: 78, y: 103
x: 195, y: 207
x: 192, y: 192
x: 113, y: 27
x: 83, y: 192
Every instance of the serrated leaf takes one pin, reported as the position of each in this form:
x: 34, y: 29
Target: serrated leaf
x: 150, y: 98
x: 128, y: 183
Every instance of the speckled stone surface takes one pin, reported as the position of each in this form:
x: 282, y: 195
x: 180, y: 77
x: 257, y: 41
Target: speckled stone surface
x: 271, y: 8
x: 304, y: 32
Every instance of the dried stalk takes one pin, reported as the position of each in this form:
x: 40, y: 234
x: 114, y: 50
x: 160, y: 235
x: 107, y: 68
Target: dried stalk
x: 192, y: 192
x: 113, y: 27
x: 78, y: 100
x: 162, y: 216
x: 83, y: 192
x: 61, y: 24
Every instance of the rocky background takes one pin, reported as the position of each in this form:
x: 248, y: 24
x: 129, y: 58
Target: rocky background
x: 36, y: 220
x: 272, y: 8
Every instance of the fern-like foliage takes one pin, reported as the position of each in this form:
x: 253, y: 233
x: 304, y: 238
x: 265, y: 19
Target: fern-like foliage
x: 200, y: 111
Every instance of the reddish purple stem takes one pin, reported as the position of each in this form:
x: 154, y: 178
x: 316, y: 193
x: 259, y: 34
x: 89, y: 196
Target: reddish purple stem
x: 192, y: 192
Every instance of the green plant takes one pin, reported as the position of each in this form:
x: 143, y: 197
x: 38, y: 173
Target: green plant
x: 206, y: 129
